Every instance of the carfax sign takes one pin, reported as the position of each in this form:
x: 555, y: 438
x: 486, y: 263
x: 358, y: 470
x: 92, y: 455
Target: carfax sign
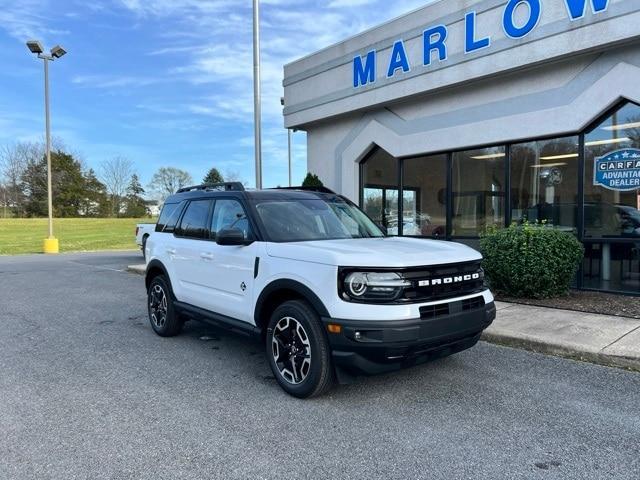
x: 619, y: 170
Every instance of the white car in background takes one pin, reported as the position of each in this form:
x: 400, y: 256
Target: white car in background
x: 143, y: 231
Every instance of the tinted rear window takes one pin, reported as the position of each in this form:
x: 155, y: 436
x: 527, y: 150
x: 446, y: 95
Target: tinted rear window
x: 194, y: 223
x: 169, y: 217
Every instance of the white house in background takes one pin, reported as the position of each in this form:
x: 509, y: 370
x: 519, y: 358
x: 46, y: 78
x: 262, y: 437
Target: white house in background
x: 154, y: 207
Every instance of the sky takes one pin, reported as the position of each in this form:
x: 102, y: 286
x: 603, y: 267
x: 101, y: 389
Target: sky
x: 168, y: 82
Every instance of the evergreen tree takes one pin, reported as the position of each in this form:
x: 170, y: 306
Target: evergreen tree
x: 34, y: 187
x: 74, y: 192
x: 136, y: 206
x: 69, y: 187
x: 213, y: 176
x: 312, y: 180
x: 135, y: 187
x: 97, y: 202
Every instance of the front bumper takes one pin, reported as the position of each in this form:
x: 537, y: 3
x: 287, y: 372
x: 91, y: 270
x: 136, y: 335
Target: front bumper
x: 373, y: 347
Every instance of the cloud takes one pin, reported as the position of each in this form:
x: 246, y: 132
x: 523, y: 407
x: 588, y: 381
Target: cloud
x: 186, y: 66
x: 27, y: 19
x: 350, y: 3
x: 114, y: 81
x: 212, y: 44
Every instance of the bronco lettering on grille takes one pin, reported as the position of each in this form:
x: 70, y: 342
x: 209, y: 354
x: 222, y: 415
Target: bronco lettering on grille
x: 449, y: 280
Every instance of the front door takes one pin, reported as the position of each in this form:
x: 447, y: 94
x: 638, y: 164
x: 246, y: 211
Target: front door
x: 230, y: 268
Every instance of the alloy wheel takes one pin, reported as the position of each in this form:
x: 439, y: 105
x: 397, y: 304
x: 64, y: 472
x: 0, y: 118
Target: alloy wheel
x: 291, y: 350
x: 158, y: 306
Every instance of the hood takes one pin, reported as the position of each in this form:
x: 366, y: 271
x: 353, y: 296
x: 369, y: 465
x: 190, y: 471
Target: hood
x: 375, y: 252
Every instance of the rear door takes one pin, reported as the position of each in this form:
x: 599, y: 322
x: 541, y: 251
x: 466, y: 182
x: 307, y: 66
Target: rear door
x: 187, y: 253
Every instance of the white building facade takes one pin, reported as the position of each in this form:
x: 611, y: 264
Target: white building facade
x: 468, y: 114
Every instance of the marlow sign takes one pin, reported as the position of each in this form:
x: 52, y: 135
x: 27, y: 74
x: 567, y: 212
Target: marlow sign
x: 619, y: 170
x: 435, y: 37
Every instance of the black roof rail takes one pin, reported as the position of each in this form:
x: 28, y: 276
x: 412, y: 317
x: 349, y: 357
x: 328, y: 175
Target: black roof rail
x: 226, y: 186
x: 308, y: 189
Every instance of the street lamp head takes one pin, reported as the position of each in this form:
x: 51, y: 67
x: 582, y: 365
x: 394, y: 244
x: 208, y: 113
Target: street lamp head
x: 35, y: 46
x: 58, y: 51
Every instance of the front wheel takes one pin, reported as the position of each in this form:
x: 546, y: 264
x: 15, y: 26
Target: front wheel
x: 298, y: 350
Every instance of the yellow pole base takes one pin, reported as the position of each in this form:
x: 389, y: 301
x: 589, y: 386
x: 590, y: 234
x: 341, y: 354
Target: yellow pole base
x: 51, y: 245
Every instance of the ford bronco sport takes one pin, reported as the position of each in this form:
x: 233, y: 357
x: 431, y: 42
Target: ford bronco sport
x: 307, y: 272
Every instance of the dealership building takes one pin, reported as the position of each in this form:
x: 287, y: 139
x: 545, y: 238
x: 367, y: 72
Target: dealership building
x: 466, y: 114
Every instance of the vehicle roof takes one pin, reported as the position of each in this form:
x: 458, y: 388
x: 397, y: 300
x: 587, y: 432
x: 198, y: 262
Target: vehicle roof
x: 255, y: 195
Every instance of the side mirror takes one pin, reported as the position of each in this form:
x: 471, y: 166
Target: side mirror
x: 231, y: 237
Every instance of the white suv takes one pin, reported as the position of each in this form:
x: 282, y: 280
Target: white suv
x: 307, y: 272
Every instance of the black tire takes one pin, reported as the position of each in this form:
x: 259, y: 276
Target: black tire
x: 162, y: 315
x: 310, y: 373
x: 144, y: 247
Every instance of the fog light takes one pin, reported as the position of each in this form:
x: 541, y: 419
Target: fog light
x: 358, y: 336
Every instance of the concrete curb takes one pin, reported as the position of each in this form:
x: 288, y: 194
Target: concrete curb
x: 137, y: 269
x: 563, y: 351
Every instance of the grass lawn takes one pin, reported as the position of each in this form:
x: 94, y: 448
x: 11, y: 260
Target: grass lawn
x: 25, y: 235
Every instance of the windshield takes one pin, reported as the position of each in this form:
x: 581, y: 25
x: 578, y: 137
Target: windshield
x: 316, y: 219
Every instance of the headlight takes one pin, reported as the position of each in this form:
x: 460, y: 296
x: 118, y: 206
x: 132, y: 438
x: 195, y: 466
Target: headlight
x: 374, y: 286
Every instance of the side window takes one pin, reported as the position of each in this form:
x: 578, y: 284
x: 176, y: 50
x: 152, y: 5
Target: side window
x: 229, y: 214
x: 169, y: 217
x: 195, y: 218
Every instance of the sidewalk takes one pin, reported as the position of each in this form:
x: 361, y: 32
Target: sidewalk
x: 137, y: 269
x: 602, y: 339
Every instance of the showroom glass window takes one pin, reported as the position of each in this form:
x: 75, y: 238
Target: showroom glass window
x: 380, y: 189
x: 478, y: 190
x: 612, y: 204
x: 544, y: 182
x: 611, y: 212
x: 424, y: 203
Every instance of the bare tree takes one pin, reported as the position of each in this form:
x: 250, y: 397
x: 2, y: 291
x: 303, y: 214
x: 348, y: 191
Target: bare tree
x: 234, y: 176
x: 167, y: 180
x: 14, y: 160
x: 115, y: 173
x: 4, y: 200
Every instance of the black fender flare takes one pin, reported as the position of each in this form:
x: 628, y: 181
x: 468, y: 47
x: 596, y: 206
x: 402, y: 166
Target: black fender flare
x: 293, y: 285
x: 155, y: 265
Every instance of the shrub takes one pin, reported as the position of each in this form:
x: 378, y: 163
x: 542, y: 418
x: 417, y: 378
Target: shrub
x: 530, y: 260
x: 312, y: 180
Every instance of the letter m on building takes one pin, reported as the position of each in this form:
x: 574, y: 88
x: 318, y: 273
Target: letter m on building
x: 577, y: 8
x: 364, y: 69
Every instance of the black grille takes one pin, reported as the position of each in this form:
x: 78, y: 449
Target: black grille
x: 472, y: 303
x: 433, y: 311
x: 445, y: 281
x: 429, y: 312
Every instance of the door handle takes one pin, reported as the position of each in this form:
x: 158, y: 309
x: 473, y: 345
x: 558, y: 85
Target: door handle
x: 206, y: 256
x: 171, y: 251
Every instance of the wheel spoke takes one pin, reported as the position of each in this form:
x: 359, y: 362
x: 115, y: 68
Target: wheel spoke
x: 281, y: 343
x: 293, y: 369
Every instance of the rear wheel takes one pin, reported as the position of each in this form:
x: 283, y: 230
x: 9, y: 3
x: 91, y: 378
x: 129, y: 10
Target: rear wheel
x: 164, y: 320
x: 298, y: 350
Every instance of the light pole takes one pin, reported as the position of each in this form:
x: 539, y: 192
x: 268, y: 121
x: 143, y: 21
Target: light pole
x: 289, y: 142
x: 51, y: 243
x: 257, y: 104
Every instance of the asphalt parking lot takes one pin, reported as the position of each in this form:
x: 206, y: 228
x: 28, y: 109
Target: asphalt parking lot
x: 88, y: 391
